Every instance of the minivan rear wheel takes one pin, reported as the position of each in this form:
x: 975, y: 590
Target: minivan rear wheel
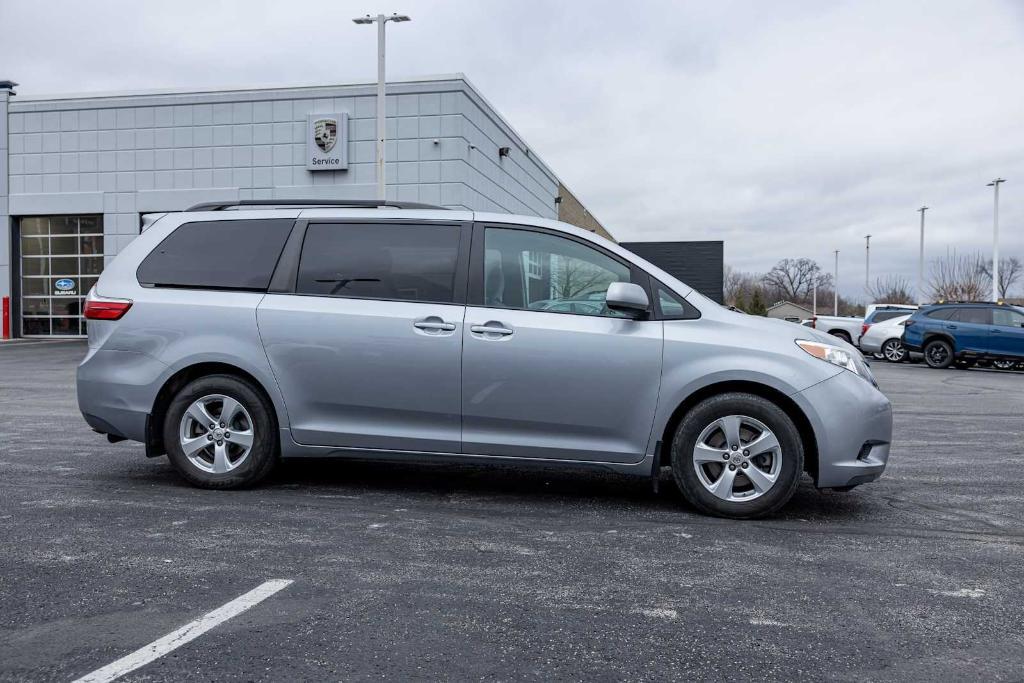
x: 219, y: 433
x: 737, y: 455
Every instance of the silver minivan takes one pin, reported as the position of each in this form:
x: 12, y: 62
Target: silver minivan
x: 231, y: 335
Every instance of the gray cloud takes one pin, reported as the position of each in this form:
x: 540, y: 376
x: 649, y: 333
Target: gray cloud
x: 786, y: 129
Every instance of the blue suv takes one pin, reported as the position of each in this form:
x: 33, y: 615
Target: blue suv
x: 965, y: 333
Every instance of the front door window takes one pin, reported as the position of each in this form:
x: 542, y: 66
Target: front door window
x: 541, y: 272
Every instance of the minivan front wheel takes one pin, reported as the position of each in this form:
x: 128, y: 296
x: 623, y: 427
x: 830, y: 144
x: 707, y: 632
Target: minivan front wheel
x: 219, y: 433
x: 737, y: 455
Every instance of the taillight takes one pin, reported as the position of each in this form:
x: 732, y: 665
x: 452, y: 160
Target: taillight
x: 908, y: 323
x: 104, y: 308
x: 814, y: 323
x: 864, y: 329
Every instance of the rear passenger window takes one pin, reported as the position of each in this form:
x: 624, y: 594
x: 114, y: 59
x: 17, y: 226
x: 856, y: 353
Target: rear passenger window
x: 887, y: 315
x: 942, y: 313
x: 975, y: 316
x: 380, y: 261
x: 217, y: 255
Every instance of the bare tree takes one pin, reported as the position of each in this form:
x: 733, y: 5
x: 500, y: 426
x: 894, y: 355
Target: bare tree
x: 959, y: 277
x: 572, y: 278
x: 793, y: 279
x: 739, y: 285
x: 1010, y: 270
x: 892, y: 289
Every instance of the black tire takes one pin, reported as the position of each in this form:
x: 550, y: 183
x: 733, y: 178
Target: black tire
x: 894, y: 351
x: 262, y: 455
x: 842, y: 335
x: 938, y: 354
x: 748, y: 405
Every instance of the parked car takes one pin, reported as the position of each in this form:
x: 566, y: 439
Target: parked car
x: 965, y: 332
x: 877, y: 313
x: 885, y: 338
x: 846, y: 328
x: 229, y: 336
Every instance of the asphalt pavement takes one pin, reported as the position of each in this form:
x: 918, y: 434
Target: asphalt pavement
x: 406, y: 572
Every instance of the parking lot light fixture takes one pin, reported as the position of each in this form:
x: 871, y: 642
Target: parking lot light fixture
x: 995, y: 238
x: 835, y: 284
x: 867, y: 262
x: 381, y: 20
x: 920, y: 261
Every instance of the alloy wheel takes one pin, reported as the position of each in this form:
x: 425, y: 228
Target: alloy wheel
x: 737, y: 458
x: 894, y: 351
x: 937, y: 354
x: 216, y: 433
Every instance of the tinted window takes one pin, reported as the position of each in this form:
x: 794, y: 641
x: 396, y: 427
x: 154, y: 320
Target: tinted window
x: 941, y: 313
x: 976, y: 316
x: 673, y: 307
x: 1006, y: 317
x: 881, y: 316
x: 542, y: 272
x: 218, y: 254
x: 380, y: 261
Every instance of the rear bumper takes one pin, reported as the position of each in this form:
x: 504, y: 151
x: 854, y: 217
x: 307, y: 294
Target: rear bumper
x: 116, y: 390
x: 870, y: 345
x: 852, y: 423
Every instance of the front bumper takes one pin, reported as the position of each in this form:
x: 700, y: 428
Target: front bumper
x: 852, y: 423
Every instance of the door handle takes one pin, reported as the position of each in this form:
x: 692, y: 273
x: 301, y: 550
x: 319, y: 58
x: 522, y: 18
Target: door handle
x: 435, y: 325
x: 997, y: 331
x: 950, y: 327
x: 489, y: 329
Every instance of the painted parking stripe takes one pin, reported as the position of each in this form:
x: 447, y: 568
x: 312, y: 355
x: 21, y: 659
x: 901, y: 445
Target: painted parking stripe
x: 187, y: 633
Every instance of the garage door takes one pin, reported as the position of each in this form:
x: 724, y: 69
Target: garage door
x: 61, y: 258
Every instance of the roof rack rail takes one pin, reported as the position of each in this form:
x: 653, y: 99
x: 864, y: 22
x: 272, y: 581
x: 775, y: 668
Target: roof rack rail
x: 355, y: 203
x: 941, y: 302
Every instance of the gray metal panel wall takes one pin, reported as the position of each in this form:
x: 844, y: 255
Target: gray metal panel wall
x: 701, y: 265
x: 125, y: 155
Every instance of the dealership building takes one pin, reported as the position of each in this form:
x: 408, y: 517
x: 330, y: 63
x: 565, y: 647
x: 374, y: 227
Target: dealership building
x: 78, y: 172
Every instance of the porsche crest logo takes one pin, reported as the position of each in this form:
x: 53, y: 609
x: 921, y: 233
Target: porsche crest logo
x: 325, y: 133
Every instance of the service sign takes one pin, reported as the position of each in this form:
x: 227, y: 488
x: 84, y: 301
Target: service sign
x: 327, y: 142
x: 65, y: 287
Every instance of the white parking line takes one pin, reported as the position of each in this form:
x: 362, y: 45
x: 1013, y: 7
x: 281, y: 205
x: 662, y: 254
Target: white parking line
x: 185, y: 634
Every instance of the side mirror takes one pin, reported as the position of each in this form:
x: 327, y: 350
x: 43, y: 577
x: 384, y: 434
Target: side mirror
x: 628, y: 298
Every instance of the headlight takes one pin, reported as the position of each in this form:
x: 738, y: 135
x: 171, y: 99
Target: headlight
x: 831, y: 354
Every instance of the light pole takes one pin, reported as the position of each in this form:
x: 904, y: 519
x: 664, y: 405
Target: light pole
x: 835, y: 284
x: 381, y: 20
x: 867, y: 262
x: 995, y: 239
x: 920, y: 261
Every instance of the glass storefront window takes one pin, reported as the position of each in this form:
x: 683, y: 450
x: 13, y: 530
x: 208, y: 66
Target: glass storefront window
x: 61, y: 259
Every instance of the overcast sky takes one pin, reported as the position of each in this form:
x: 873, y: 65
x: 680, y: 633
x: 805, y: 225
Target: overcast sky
x: 786, y: 129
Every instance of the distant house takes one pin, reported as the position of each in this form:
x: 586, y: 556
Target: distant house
x: 787, y: 310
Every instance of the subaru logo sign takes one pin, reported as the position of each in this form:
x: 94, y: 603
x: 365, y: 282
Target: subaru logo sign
x: 64, y: 284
